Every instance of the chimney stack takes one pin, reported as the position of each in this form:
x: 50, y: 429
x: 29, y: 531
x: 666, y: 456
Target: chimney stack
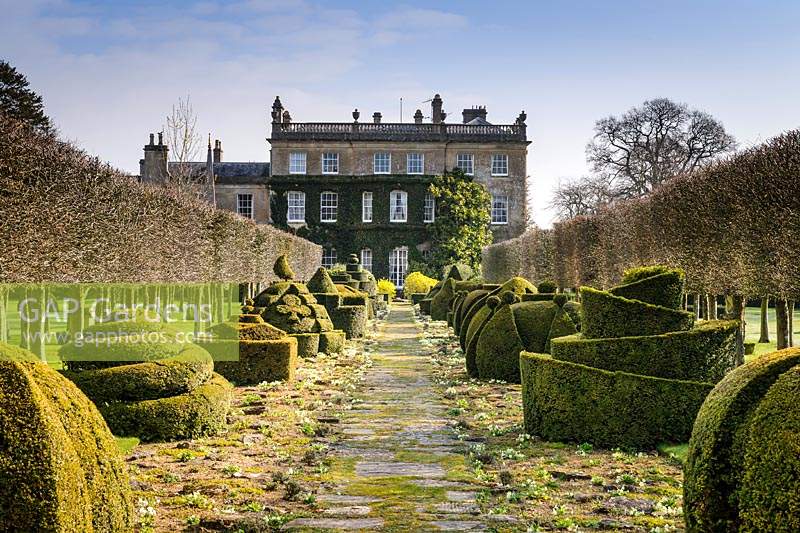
x: 217, y: 151
x: 153, y: 168
x: 473, y: 113
x: 418, y: 117
x: 436, y: 110
x: 376, y: 117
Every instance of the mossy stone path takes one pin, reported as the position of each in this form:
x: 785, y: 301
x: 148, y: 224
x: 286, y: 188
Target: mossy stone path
x: 398, y: 466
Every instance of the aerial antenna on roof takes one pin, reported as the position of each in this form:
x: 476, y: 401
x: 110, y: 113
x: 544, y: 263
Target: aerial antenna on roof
x: 401, y: 109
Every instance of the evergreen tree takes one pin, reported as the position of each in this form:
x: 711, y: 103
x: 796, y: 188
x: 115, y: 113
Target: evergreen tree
x: 18, y: 101
x: 461, y: 227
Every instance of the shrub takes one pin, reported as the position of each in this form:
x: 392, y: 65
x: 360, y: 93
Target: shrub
x: 570, y: 402
x: 471, y: 335
x: 352, y: 319
x: 418, y: 283
x: 741, y: 471
x: 387, y: 287
x: 440, y: 304
x: 60, y: 469
x: 663, y: 288
x: 704, y: 353
x: 192, y: 415
x: 261, y: 360
x: 459, y: 322
x: 605, y: 315
x: 321, y: 282
x: 307, y: 344
x: 332, y: 342
x: 170, y: 376
x: 547, y: 286
x: 513, y: 328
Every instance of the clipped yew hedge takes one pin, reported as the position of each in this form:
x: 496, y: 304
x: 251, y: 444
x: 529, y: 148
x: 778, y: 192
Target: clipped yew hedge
x: 702, y: 353
x: 60, y: 468
x: 93, y: 223
x: 743, y: 466
x: 564, y: 401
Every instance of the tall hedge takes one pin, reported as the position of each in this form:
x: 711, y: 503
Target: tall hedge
x: 733, y: 227
x: 68, y: 217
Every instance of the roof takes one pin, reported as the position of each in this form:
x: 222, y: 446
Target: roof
x: 232, y: 172
x: 479, y: 121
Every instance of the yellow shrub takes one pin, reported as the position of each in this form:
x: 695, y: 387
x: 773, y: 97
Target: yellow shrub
x: 417, y: 282
x: 387, y: 287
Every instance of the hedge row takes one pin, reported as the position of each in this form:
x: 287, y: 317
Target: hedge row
x: 565, y: 401
x: 734, y: 228
x: 68, y: 217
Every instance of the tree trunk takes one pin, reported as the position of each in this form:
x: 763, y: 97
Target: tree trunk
x: 764, y: 337
x: 711, y: 304
x: 790, y: 322
x: 782, y: 323
x: 736, y: 306
x: 698, y: 307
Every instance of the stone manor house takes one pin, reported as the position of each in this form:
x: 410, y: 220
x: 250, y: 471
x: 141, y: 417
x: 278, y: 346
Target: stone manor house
x: 362, y: 187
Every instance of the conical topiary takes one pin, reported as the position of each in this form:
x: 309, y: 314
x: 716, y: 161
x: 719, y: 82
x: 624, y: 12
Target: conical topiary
x: 321, y: 282
x: 282, y: 268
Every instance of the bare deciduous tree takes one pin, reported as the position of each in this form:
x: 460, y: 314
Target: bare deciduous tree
x: 184, y: 142
x: 580, y: 197
x: 650, y: 144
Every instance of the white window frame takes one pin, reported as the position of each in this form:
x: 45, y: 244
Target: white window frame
x: 366, y: 206
x: 398, y: 266
x: 466, y: 160
x: 366, y: 258
x: 247, y: 211
x: 402, y: 204
x: 499, y: 210
x: 295, y: 205
x: 330, y: 162
x: 499, y: 164
x: 297, y: 162
x: 387, y: 160
x: 328, y: 257
x: 417, y: 157
x: 429, y: 214
x: 328, y: 206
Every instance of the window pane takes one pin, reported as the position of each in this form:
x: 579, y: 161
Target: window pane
x: 330, y: 163
x: 466, y: 163
x: 499, y: 209
x: 366, y: 207
x: 366, y: 259
x: 398, y: 206
x: 415, y: 163
x: 398, y: 266
x: 244, y: 205
x: 499, y: 165
x: 297, y: 163
x: 328, y: 205
x: 382, y: 163
x: 297, y: 207
x: 328, y: 257
x: 430, y: 208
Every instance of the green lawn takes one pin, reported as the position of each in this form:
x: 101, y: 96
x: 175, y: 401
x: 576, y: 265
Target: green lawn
x: 752, y: 316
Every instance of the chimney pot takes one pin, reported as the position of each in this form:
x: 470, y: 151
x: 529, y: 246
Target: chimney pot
x: 152, y: 141
x: 217, y: 151
x: 161, y: 138
x: 376, y: 117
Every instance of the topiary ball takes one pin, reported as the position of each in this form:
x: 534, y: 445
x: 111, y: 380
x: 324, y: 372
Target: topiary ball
x: 743, y: 467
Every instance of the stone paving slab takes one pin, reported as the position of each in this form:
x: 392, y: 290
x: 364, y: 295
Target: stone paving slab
x: 348, y: 524
x: 392, y: 469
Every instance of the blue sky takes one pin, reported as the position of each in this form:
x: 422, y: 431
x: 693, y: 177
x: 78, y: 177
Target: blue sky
x: 110, y: 71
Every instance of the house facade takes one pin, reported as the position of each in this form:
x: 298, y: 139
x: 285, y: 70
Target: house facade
x: 362, y: 187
